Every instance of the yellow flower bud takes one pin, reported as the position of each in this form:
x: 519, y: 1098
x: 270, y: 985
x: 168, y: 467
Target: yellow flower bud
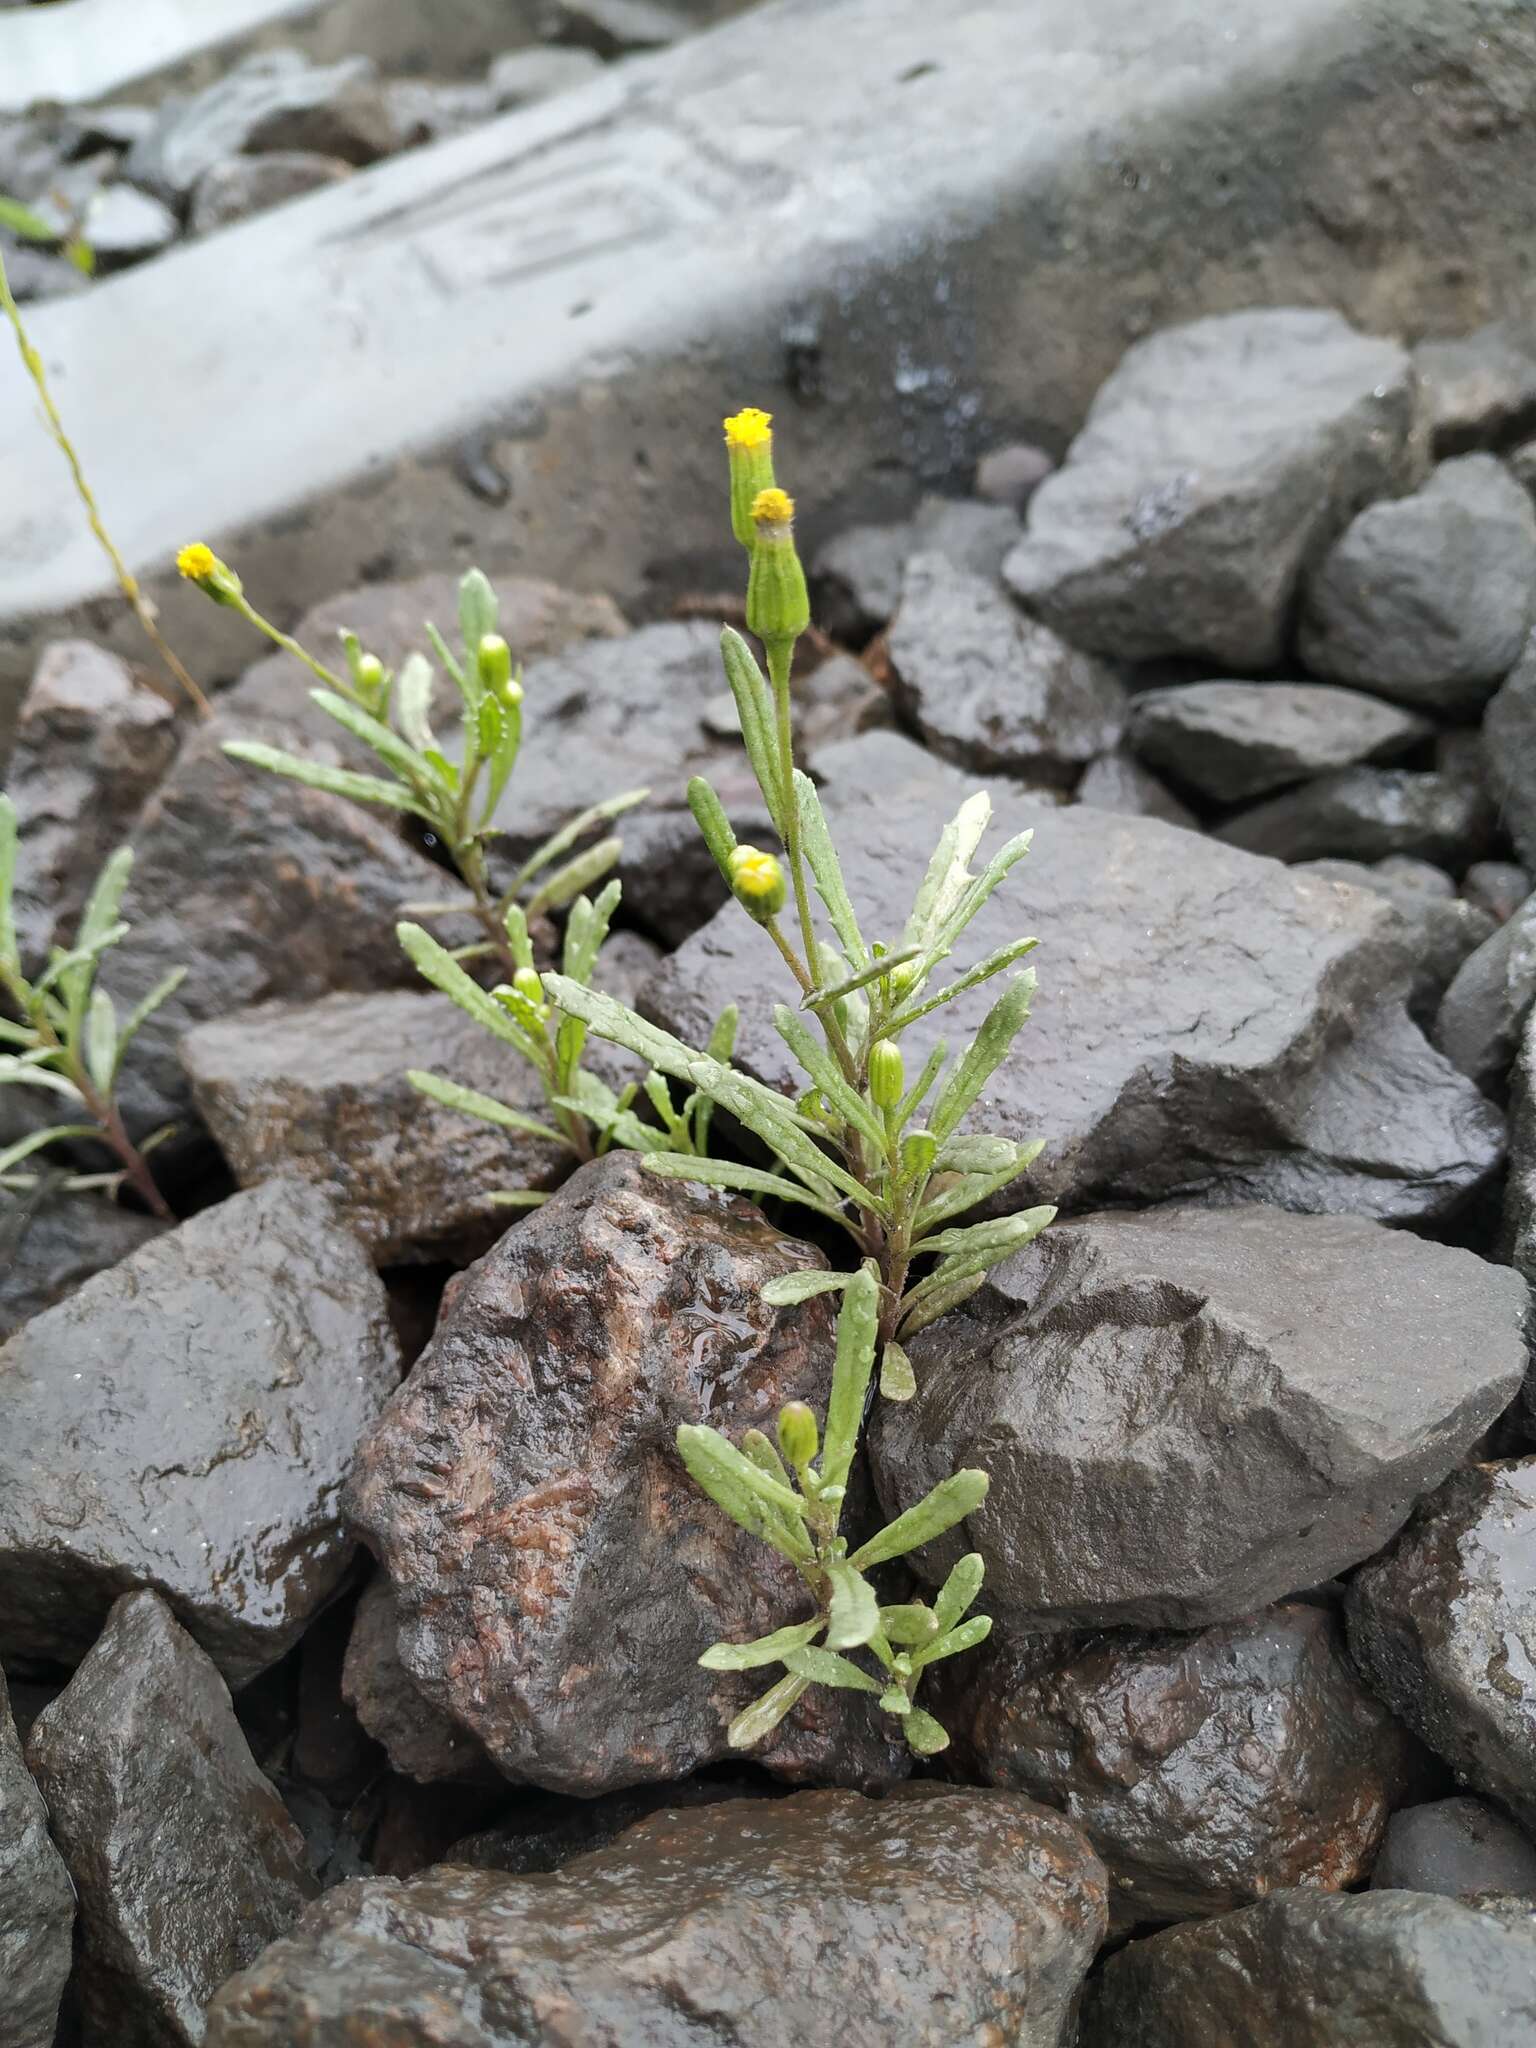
x: 757, y: 883
x: 778, y: 604
x: 887, y: 1074
x: 798, y: 1438
x: 200, y: 565
x: 493, y: 658
x: 749, y: 448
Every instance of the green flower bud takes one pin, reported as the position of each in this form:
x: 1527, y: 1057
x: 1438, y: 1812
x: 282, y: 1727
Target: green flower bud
x: 798, y: 1436
x: 758, y: 883
x: 369, y: 674
x: 493, y: 658
x: 887, y: 1074
x: 778, y: 604
x: 528, y: 985
x: 919, y: 1149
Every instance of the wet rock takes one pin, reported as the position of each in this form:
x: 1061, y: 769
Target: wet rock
x: 1232, y: 741
x: 262, y: 889
x: 90, y: 747
x: 184, y: 1421
x: 1480, y: 388
x: 1011, y: 475
x: 1444, y: 927
x: 37, y: 1904
x: 1429, y: 599
x: 1206, y: 1770
x: 1188, y: 1413
x: 331, y: 1752
x: 543, y: 1832
x: 858, y: 575
x: 421, y: 1741
x: 49, y: 1247
x: 319, y: 1090
x: 1368, y: 813
x: 1118, y: 782
x: 1459, y: 1848
x: 519, y: 78
x: 1496, y: 886
x: 1485, y: 1008
x: 273, y: 100
x: 1441, y: 1625
x: 1392, y: 1968
x: 1509, y: 731
x: 1520, y: 1189
x: 557, y: 1574
x: 184, y: 1860
x: 1213, y: 464
x: 244, y: 185
x: 954, y: 1916
x: 615, y: 28
x: 1207, y: 1021
x: 991, y: 689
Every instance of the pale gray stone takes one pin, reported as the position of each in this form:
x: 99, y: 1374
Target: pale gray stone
x: 1231, y: 741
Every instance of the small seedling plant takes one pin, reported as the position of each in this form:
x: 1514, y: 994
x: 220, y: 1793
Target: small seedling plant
x: 456, y: 800
x: 882, y: 1157
x: 64, y: 1034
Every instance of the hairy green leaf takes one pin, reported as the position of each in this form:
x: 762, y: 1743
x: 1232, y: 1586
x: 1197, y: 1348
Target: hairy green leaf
x: 826, y: 873
x: 147, y: 1005
x: 917, y: 1315
x: 925, y: 1736
x: 827, y: 1075
x: 8, y: 840
x: 576, y: 828
x: 436, y: 965
x: 413, y: 702
x: 957, y: 1595
x: 965, y: 1636
x: 726, y: 1173
x: 994, y: 963
x: 789, y: 1288
x: 909, y: 1624
x: 898, y: 1382
x: 709, y: 816
x: 412, y: 768
x: 989, y: 1049
x: 949, y: 1502
x: 578, y: 874
x: 766, y: 1649
x: 470, y: 1102
x: 856, y: 1326
x: 754, y: 712
x: 766, y: 1712
x: 853, y: 1615
x: 825, y: 1667
x: 361, y: 789
x: 948, y: 876
x: 1004, y: 1234
x: 34, y: 1141
x: 100, y: 1042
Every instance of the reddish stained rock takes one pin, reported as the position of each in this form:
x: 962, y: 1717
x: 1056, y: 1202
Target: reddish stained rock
x: 421, y: 1740
x: 556, y: 1571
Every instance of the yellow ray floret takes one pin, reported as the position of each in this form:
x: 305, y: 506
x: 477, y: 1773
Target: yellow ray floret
x: 197, y: 561
x: 748, y: 428
x: 773, y: 508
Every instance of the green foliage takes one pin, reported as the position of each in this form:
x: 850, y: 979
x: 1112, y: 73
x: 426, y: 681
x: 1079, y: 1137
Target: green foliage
x: 798, y: 1508
x: 888, y: 1160
x: 64, y: 1035
x: 28, y: 226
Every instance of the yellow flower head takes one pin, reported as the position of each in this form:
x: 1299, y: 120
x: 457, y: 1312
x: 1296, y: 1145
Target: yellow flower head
x: 773, y: 508
x: 197, y: 561
x: 757, y: 882
x: 749, y: 428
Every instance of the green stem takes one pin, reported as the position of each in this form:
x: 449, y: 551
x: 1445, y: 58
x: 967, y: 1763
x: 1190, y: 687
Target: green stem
x: 780, y: 657
x: 289, y: 645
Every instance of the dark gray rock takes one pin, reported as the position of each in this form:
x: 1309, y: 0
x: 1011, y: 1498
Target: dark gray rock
x: 319, y: 1091
x: 1520, y: 1189
x: 991, y: 689
x: 557, y: 1574
x: 242, y: 185
x: 1444, y: 928
x: 1442, y: 1626
x: 1429, y: 598
x: 184, y: 1859
x: 263, y: 890
x: 1458, y: 1848
x: 185, y: 1421
x: 1011, y: 475
x: 1304, y: 1970
x: 615, y: 28
x: 1232, y: 741
x: 1496, y: 886
x: 1207, y: 1021
x: 1207, y: 1770
x: 90, y: 747
x: 1368, y: 813
x: 1483, y: 1015
x: 1214, y: 463
x: 519, y: 78
x: 1509, y: 732
x: 1189, y: 1413
x: 1118, y: 782
x: 544, y: 1832
x: 953, y: 1915
x: 421, y: 1741
x: 49, y: 1247
x: 858, y: 574
x: 1480, y: 388
x: 37, y: 1903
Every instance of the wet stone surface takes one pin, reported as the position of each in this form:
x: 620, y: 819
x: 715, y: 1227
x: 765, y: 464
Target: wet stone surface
x: 1207, y: 1770
x: 953, y: 1915
x: 1444, y: 1627
x: 421, y: 1741
x: 1510, y: 734
x: 48, y: 1248
x: 1230, y: 741
x: 557, y: 1575
x: 1207, y: 1022
x: 1391, y: 1968
x: 1460, y: 1848
x: 1445, y: 927
x: 1370, y: 814
x: 185, y: 1863
x: 185, y: 1421
x: 1188, y: 1413
x: 1480, y: 1022
x: 37, y: 1903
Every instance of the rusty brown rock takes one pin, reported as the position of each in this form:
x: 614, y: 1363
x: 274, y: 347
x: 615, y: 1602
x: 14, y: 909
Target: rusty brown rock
x: 422, y: 1741
x: 557, y: 1573
x: 1207, y: 1770
x: 928, y: 1918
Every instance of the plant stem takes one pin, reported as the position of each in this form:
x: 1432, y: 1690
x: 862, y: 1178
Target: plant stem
x: 289, y: 645
x: 470, y: 862
x: 127, y: 582
x: 779, y: 659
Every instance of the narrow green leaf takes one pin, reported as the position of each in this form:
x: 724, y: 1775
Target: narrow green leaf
x: 713, y: 1461
x: 23, y: 222
x: 974, y: 1152
x: 910, y: 1624
x: 789, y: 1288
x: 34, y: 1141
x: 586, y: 930
x: 853, y: 1614
x: 995, y: 962
x: 957, y: 1595
x: 948, y: 876
x: 453, y: 666
x: 988, y: 1051
x: 64, y: 969
x: 434, y: 963
x: 949, y: 1502
x: 827, y: 1075
x: 1004, y: 1234
x: 972, y: 1188
x: 361, y: 789
x: 766, y: 1712
x: 856, y: 1326
x: 898, y: 1382
x: 757, y: 1445
x: 852, y: 983
x: 100, y: 1044
x: 413, y: 703
x: 578, y: 827
x: 976, y: 894
x: 925, y: 1736
x: 916, y: 1316
x: 146, y: 1007
x: 965, y: 1636
x: 825, y: 1667
x: 470, y: 1102
x: 709, y: 816
x: 766, y: 1649
x: 413, y: 769
x: 754, y: 712
x: 8, y: 842
x: 578, y: 874
x: 726, y: 1173
x: 488, y: 727
x: 821, y: 859
x: 23, y: 1071
x: 517, y: 1198
x: 478, y: 610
